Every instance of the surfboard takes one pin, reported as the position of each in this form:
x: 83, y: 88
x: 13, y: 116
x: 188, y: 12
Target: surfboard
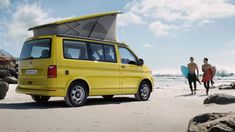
x: 213, y: 69
x: 184, y: 71
x: 207, y: 75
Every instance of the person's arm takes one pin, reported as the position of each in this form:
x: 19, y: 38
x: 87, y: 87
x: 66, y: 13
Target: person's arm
x: 210, y: 66
x: 197, y: 70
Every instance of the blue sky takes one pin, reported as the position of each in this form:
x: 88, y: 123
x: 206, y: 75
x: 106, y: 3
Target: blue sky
x: 165, y: 33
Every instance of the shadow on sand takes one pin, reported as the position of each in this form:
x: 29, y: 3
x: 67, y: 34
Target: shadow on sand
x: 203, y: 95
x: 185, y: 95
x: 61, y: 103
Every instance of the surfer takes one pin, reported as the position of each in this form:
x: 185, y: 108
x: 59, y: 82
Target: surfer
x: 213, y: 69
x: 192, y: 77
x: 207, y: 74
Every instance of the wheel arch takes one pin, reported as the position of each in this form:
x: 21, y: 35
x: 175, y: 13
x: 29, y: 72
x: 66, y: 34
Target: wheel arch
x: 79, y: 80
x: 148, y: 81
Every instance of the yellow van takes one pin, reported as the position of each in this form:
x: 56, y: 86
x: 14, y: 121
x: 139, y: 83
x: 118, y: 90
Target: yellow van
x: 80, y: 57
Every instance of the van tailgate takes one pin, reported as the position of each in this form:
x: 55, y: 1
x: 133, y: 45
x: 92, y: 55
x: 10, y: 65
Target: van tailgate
x: 33, y: 73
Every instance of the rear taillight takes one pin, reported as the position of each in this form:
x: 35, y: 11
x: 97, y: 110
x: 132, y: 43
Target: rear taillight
x: 52, y: 72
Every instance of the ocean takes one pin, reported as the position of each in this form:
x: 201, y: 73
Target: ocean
x: 169, y: 81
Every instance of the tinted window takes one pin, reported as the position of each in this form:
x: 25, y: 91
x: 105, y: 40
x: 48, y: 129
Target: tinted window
x: 97, y: 52
x: 109, y: 53
x: 127, y: 57
x: 35, y: 49
x: 75, y: 50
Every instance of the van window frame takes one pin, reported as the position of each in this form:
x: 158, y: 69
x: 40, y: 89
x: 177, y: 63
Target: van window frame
x: 129, y: 51
x: 50, y: 50
x: 103, y: 44
x: 88, y: 47
x: 88, y: 58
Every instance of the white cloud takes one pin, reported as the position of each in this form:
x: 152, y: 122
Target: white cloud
x: 4, y: 4
x: 129, y: 18
x: 190, y: 10
x: 179, y: 12
x: 161, y: 29
x: 204, y: 22
x: 24, y: 17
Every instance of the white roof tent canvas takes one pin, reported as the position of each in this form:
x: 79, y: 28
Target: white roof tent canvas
x: 97, y: 26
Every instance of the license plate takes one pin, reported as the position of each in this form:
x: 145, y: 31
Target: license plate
x: 31, y: 72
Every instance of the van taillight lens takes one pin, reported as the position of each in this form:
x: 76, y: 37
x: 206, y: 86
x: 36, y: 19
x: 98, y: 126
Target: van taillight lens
x: 52, y: 72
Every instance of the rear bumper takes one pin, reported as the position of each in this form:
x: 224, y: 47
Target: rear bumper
x: 41, y: 91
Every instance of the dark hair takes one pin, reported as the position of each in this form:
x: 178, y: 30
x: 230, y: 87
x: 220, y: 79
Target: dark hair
x: 206, y: 59
x: 191, y: 58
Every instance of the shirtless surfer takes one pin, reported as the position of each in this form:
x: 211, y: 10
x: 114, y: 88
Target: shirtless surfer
x: 193, y: 77
x: 207, y: 74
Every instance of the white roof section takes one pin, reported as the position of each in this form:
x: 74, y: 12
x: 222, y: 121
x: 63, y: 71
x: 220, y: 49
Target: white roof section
x: 96, y: 26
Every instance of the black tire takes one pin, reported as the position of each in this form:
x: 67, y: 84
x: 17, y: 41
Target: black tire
x: 40, y: 99
x: 107, y: 96
x: 76, y: 95
x: 144, y: 92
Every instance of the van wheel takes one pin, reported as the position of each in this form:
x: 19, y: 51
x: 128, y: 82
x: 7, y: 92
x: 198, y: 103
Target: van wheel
x: 40, y: 99
x: 76, y: 95
x: 143, y: 93
x: 107, y: 96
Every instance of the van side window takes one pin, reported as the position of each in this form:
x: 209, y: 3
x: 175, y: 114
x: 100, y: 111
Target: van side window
x: 127, y: 57
x: 75, y: 50
x: 109, y: 53
x: 97, y: 52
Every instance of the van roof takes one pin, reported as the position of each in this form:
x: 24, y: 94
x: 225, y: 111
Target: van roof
x: 96, y: 26
x: 77, y: 19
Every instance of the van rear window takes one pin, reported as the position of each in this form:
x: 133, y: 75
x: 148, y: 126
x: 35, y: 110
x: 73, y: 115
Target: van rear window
x: 36, y: 49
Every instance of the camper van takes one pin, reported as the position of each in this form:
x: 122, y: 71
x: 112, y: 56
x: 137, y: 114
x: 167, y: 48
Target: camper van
x: 81, y: 57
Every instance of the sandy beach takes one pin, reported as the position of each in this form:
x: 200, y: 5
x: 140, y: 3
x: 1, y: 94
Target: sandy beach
x: 169, y: 109
x: 104, y: 48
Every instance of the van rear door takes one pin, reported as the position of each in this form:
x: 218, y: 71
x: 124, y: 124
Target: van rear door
x: 35, y: 59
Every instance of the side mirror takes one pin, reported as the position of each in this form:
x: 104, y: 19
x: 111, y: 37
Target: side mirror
x: 132, y: 62
x: 140, y: 62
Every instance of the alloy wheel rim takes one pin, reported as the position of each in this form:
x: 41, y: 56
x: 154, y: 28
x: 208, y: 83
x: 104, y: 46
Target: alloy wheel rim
x: 77, y: 94
x: 144, y: 91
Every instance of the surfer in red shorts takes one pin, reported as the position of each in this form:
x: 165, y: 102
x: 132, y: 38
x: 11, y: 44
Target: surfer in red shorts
x: 207, y: 74
x: 192, y: 77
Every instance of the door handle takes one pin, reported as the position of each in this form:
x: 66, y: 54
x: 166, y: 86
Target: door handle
x: 123, y: 66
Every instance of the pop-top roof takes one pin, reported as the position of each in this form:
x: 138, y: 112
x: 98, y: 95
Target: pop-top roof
x: 96, y: 26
